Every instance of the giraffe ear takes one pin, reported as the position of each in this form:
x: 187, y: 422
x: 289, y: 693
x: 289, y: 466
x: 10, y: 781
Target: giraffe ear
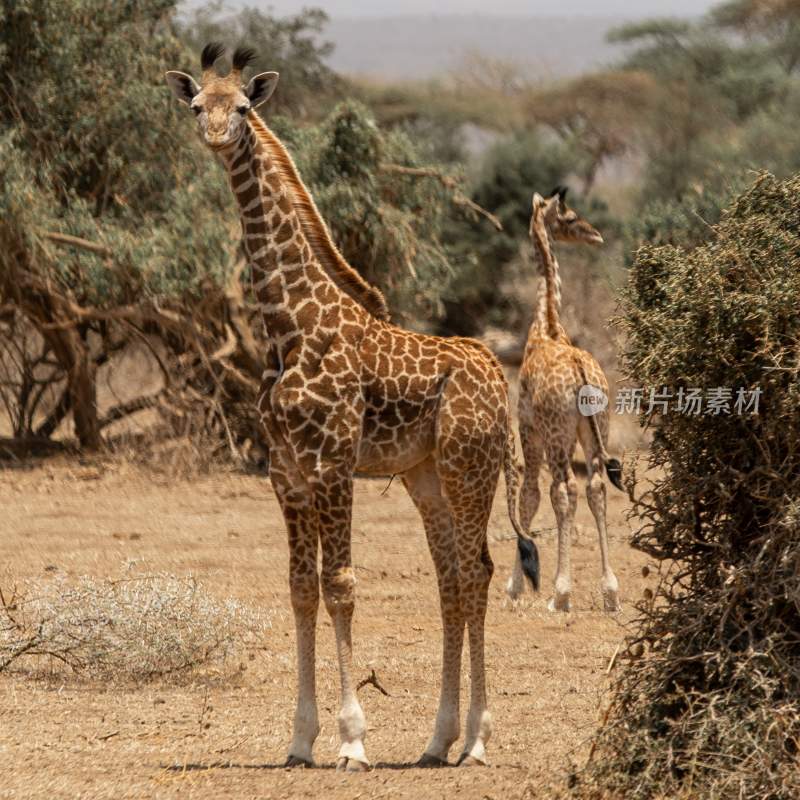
x: 538, y: 201
x: 261, y: 87
x: 183, y: 86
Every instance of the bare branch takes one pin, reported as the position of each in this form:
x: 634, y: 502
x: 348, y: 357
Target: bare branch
x: 449, y: 182
x: 76, y: 241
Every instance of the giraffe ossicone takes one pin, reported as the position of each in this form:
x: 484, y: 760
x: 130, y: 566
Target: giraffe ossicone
x: 554, y: 378
x: 344, y: 389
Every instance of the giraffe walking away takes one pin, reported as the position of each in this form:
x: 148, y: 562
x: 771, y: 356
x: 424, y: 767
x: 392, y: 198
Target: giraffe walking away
x: 552, y: 374
x: 346, y: 390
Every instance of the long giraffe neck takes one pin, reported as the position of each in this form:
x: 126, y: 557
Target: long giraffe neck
x: 297, y: 270
x: 547, y: 318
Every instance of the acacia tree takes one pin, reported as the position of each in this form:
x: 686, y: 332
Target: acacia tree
x: 775, y: 23
x: 117, y: 226
x: 709, y: 705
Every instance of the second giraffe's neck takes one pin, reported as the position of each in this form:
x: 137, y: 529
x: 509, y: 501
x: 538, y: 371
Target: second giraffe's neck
x: 547, y: 318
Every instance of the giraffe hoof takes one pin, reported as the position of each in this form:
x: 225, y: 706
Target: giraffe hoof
x: 559, y: 604
x: 429, y: 761
x: 296, y: 761
x: 345, y: 764
x: 469, y: 761
x: 611, y: 605
x: 513, y: 590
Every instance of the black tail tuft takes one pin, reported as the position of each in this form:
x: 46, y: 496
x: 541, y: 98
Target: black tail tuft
x: 529, y: 557
x: 614, y: 471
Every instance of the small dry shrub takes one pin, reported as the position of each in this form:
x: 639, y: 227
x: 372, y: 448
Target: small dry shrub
x: 140, y: 627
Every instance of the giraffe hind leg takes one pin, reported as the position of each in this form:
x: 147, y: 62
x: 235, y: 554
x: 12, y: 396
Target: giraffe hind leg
x: 564, y: 498
x: 422, y: 483
x: 469, y: 496
x: 596, y: 497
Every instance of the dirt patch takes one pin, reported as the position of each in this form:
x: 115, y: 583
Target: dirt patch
x: 227, y: 735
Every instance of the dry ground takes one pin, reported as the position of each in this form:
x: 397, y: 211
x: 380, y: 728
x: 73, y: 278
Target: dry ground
x: 227, y: 735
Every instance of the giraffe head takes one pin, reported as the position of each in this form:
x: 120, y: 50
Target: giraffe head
x: 562, y: 222
x: 222, y: 103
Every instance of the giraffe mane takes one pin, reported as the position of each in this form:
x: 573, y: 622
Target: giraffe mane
x: 315, y: 229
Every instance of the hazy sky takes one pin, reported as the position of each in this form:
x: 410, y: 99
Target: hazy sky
x: 562, y: 8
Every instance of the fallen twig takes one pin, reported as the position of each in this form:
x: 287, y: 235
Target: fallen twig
x: 373, y: 681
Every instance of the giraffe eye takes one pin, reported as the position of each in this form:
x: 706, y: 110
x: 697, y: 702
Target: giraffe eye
x: 197, y: 110
x: 243, y: 110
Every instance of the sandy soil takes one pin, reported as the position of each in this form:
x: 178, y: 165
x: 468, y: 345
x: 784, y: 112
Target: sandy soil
x: 227, y: 735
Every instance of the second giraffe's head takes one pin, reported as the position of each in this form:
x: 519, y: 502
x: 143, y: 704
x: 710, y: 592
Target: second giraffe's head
x: 563, y: 224
x: 222, y: 103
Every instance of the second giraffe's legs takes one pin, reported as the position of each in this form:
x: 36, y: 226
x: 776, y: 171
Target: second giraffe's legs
x: 295, y: 499
x: 596, y: 496
x: 422, y: 484
x: 333, y: 497
x: 564, y: 497
x: 532, y: 450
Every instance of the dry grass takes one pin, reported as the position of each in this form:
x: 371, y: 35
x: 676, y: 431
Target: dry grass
x: 227, y: 738
x: 140, y: 626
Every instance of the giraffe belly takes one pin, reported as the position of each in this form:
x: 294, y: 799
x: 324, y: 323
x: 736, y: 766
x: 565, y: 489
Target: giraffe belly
x: 380, y: 455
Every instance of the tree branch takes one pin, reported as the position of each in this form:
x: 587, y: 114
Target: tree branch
x: 449, y: 182
x: 76, y: 241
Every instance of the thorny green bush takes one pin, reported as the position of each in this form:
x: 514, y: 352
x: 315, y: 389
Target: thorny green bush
x: 710, y: 703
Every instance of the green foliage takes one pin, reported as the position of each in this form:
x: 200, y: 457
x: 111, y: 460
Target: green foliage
x: 687, y: 222
x: 288, y: 45
x: 506, y: 179
x: 776, y: 23
x: 388, y: 225
x: 707, y: 85
x: 713, y: 708
x: 94, y: 146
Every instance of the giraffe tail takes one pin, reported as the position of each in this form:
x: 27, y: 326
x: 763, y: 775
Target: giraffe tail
x: 528, y: 552
x: 612, y: 466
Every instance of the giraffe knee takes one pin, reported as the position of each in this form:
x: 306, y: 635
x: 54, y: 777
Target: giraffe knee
x: 596, y: 487
x: 564, y: 491
x: 339, y: 589
x: 304, y: 590
x: 572, y: 489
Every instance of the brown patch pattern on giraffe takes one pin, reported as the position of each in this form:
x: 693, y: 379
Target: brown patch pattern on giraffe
x: 346, y: 391
x: 553, y: 372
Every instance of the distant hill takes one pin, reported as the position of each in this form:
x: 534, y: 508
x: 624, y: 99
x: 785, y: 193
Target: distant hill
x: 416, y: 47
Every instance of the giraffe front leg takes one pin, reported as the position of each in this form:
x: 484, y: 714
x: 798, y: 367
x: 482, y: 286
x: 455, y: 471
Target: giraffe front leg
x: 333, y: 497
x: 301, y: 524
x: 596, y: 495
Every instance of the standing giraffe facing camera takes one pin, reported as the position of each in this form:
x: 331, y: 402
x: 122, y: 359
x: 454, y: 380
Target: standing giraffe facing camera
x: 344, y: 389
x: 550, y: 422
